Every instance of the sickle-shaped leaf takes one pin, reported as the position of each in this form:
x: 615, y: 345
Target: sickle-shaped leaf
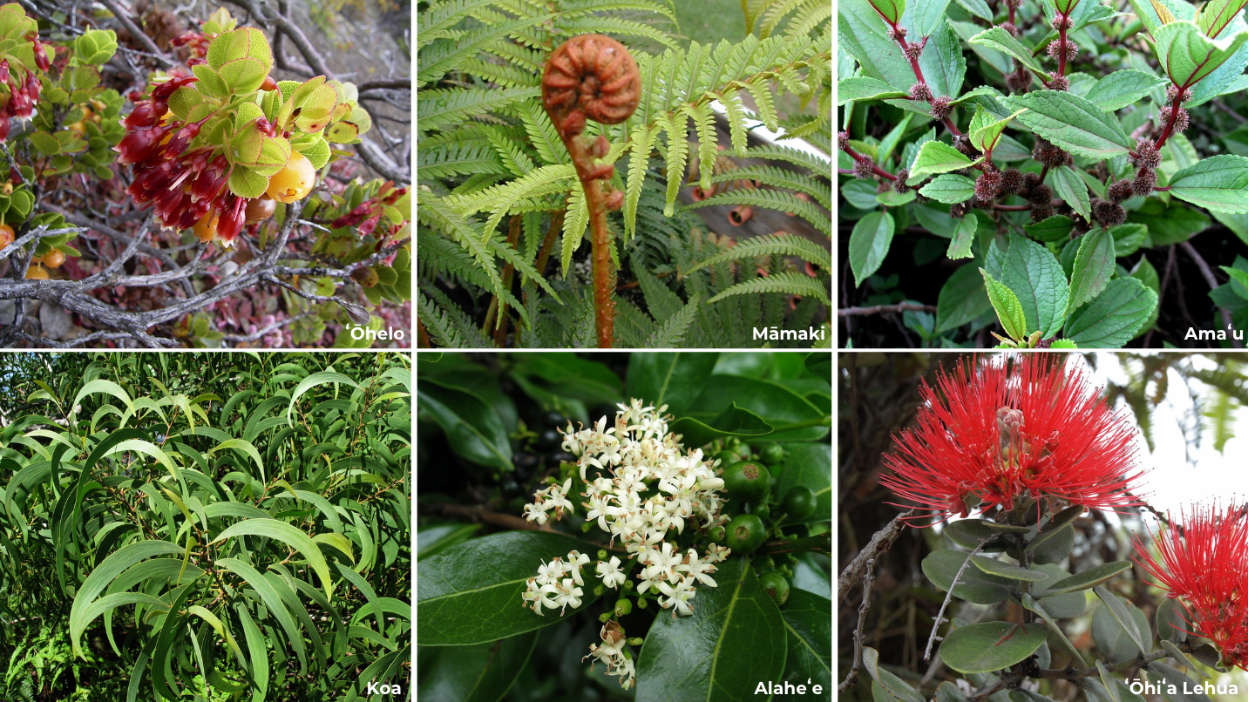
x: 245, y: 447
x: 313, y: 380
x: 112, y: 566
x: 108, y: 603
x: 287, y: 534
x: 273, y: 602
x: 735, y: 640
x: 104, y: 386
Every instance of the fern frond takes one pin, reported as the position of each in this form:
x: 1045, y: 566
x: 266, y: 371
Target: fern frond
x: 788, y: 282
x: 580, y: 7
x: 467, y: 158
x: 437, y: 213
x: 443, y: 16
x: 641, y: 143
x: 501, y: 197
x: 503, y: 250
x: 705, y: 130
x: 758, y: 88
x: 662, y: 302
x: 501, y: 74
x: 447, y: 325
x: 614, y: 25
x: 789, y: 155
x: 441, y: 256
x: 777, y: 11
x: 779, y: 200
x: 780, y: 178
x: 673, y: 331
x: 575, y: 221
x: 784, y: 244
x: 542, y: 134
x: 438, y: 108
x: 633, y: 326
x: 438, y: 59
x: 803, y: 126
x: 737, y: 117
x: 512, y: 155
x: 678, y: 147
x: 813, y: 13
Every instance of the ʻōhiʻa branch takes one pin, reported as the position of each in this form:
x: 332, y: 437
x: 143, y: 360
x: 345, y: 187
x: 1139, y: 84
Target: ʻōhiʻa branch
x: 593, y: 77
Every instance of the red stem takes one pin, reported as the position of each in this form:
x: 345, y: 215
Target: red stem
x: 864, y: 159
x: 600, y: 242
x: 1063, y: 47
x: 915, y: 65
x: 1167, y: 131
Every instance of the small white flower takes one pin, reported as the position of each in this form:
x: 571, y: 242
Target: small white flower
x: 678, y: 596
x: 567, y: 594
x: 610, y: 573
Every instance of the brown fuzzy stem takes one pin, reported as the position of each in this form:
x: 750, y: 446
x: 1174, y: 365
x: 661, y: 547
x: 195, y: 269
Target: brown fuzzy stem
x: 593, y: 77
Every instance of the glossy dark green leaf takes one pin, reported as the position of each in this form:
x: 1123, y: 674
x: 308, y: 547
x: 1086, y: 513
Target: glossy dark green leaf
x: 735, y: 640
x: 480, y: 673
x: 773, y: 402
x: 590, y: 381
x: 808, y: 620
x: 488, y: 575
x: 986, y: 647
x: 734, y: 421
x: 673, y: 379
x: 473, y: 428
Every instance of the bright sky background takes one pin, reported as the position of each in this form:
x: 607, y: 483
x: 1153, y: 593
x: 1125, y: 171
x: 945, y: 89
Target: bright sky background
x: 1173, y: 481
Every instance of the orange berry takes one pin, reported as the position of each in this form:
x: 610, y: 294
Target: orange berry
x: 6, y: 235
x: 260, y: 209
x: 36, y: 272
x: 293, y: 182
x: 54, y: 258
x: 206, y: 228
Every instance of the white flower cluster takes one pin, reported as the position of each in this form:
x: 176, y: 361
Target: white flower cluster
x: 551, y: 589
x: 635, y: 457
x: 612, y: 653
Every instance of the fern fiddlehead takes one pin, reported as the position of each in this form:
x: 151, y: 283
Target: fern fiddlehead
x: 593, y: 77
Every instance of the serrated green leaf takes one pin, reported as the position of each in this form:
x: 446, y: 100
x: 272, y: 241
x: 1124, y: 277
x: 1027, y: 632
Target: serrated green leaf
x: 1218, y: 183
x: 1070, y: 187
x: 1007, y: 307
x: 1092, y: 269
x: 870, y: 242
x: 937, y: 157
x: 1037, y: 280
x: 1072, y: 123
x: 864, y: 88
x: 950, y: 188
x: 1114, y: 317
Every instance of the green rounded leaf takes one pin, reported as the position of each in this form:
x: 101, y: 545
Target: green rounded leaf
x: 1088, y: 578
x: 870, y: 242
x: 994, y: 566
x: 987, y: 647
x: 975, y: 586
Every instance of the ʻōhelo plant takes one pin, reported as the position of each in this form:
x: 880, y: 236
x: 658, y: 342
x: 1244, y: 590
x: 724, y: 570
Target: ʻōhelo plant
x: 1065, y: 148
x: 670, y: 550
x: 537, y: 130
x: 207, y: 143
x: 198, y: 527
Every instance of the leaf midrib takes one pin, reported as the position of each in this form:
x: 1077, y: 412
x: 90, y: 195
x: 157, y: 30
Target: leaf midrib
x: 733, y: 602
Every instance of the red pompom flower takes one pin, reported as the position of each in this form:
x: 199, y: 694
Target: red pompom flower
x: 989, y: 434
x: 1202, y: 565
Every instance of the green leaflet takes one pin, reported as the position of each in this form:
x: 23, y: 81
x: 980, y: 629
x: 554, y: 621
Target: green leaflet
x: 1007, y: 307
x: 1123, y: 88
x: 949, y: 188
x: 1069, y: 186
x: 937, y: 157
x: 1113, y: 318
x: 1037, y: 280
x: 865, y: 88
x: 870, y: 242
x: 985, y: 133
x: 998, y: 38
x: 1092, y: 269
x: 1218, y: 183
x: 287, y: 534
x: 1072, y: 123
x: 1188, y: 55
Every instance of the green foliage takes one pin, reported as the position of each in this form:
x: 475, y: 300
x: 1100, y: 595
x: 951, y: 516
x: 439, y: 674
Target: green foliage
x: 1070, y: 116
x: 498, y: 183
x: 491, y: 420
x: 228, y: 526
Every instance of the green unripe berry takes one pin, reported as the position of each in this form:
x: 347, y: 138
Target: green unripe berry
x: 717, y: 535
x: 605, y: 617
x: 636, y: 641
x: 642, y: 603
x: 628, y: 585
x: 747, y: 480
x: 761, y: 510
x: 727, y: 458
x: 598, y: 590
x: 623, y: 607
x: 799, y: 502
x: 772, y: 454
x: 586, y: 527
x: 777, y: 587
x: 745, y: 534
x: 603, y: 554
